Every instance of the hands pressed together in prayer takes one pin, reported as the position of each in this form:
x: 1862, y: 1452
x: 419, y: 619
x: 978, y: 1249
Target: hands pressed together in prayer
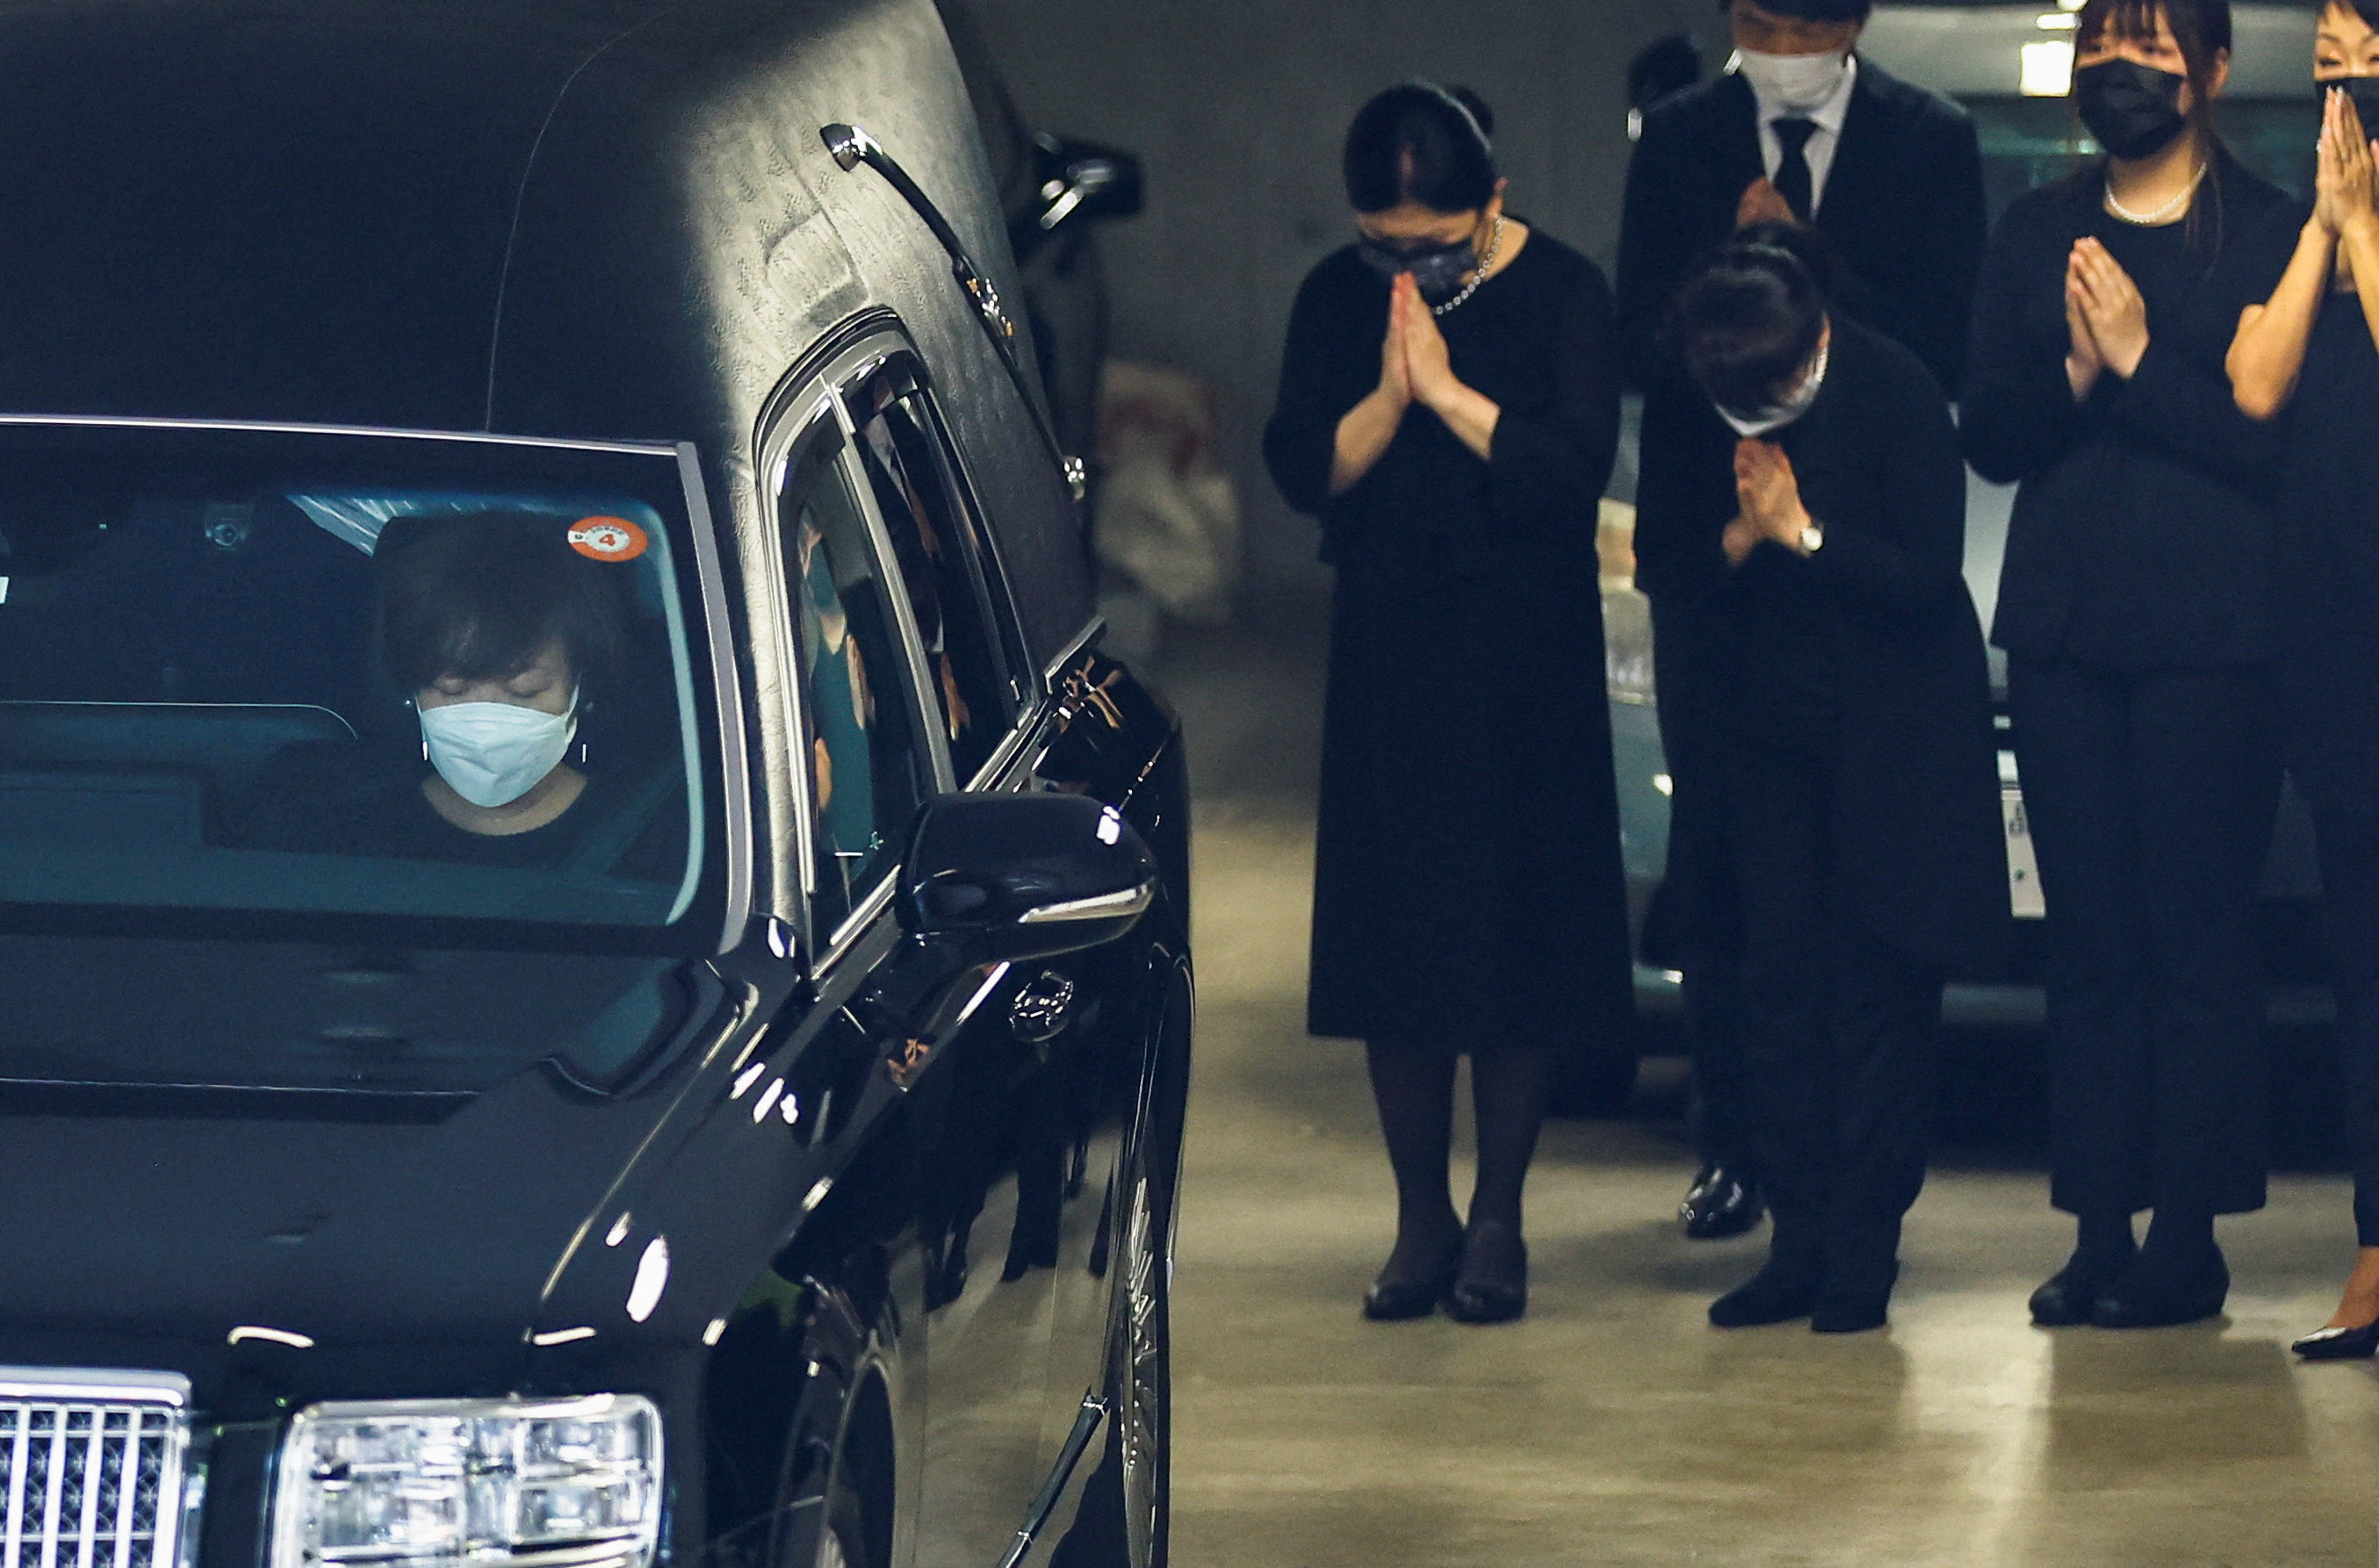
x: 1770, y: 497
x: 2104, y: 318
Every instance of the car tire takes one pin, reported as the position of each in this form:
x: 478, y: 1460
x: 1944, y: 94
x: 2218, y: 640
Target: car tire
x: 843, y: 1540
x: 1125, y: 1520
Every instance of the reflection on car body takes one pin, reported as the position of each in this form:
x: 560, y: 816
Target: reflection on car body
x: 593, y: 962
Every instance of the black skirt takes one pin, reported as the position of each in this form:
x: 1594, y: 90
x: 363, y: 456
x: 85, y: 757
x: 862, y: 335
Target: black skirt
x: 1468, y: 885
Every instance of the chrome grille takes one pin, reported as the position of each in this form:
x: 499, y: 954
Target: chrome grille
x: 92, y: 1469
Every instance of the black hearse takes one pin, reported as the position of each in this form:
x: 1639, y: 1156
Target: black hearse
x: 593, y: 963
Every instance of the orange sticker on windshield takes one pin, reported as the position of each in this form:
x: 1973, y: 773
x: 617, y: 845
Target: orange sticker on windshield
x: 608, y: 538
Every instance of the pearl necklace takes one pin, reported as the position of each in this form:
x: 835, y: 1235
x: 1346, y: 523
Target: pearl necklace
x: 2161, y: 213
x: 1486, y: 265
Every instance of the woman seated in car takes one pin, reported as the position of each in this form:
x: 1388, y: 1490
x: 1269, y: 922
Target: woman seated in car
x: 500, y: 636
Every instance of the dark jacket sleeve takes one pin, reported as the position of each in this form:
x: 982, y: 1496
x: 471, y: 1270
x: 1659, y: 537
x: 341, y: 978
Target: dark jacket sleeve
x: 1655, y: 248
x: 1300, y: 439
x: 1547, y: 469
x: 1901, y: 578
x: 2178, y: 399
x: 2018, y: 417
x: 1929, y: 311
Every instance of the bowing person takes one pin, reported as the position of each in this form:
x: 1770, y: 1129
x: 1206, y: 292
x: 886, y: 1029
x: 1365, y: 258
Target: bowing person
x: 1449, y: 409
x: 1856, y: 761
x: 1800, y: 127
x: 2133, y: 608
x: 2310, y: 353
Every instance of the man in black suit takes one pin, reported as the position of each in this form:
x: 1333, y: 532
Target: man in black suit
x: 1889, y: 177
x: 1856, y: 762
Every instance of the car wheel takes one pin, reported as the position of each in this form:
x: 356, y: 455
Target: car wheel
x: 1144, y: 1392
x: 843, y: 1542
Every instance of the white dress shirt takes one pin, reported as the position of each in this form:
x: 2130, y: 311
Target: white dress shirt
x: 1828, y: 117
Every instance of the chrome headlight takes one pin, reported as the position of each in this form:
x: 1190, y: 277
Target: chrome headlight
x: 438, y: 1482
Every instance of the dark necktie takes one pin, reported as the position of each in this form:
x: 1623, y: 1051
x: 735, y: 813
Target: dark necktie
x: 1792, y: 181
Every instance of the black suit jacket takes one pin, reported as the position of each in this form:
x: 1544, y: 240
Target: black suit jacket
x: 1918, y: 824
x: 1901, y: 213
x: 2140, y: 538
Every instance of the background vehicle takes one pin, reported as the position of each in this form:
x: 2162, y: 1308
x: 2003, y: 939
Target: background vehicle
x: 785, y: 1174
x: 2009, y: 66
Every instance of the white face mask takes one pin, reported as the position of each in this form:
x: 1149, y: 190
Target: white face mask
x: 492, y: 753
x: 1752, y: 427
x: 1798, y: 84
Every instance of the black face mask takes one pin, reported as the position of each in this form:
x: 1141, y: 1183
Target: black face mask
x: 1438, y: 270
x: 2363, y: 91
x: 2133, y: 110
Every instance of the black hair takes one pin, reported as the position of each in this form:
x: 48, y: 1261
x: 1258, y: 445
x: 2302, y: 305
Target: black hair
x: 1421, y: 142
x: 2202, y: 29
x: 479, y: 595
x: 1812, y: 10
x: 1668, y: 66
x: 2367, y: 9
x: 1750, y: 314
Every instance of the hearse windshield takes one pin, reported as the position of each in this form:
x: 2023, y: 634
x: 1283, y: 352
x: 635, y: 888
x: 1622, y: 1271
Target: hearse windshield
x: 315, y: 681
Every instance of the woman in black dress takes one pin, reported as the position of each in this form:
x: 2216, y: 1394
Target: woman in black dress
x: 1449, y: 409
x: 2132, y: 609
x: 2309, y: 352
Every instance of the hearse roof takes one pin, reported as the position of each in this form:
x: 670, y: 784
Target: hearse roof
x: 593, y: 219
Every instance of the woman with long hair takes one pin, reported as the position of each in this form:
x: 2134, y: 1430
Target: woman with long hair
x: 2132, y: 609
x: 2311, y: 352
x: 1449, y: 409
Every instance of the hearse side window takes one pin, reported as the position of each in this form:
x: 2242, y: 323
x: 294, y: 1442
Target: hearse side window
x: 869, y: 768
x: 941, y: 557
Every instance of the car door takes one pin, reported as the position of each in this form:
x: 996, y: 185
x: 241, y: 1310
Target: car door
x: 1083, y: 1017
x: 887, y: 690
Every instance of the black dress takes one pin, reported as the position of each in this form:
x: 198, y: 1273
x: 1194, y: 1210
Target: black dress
x: 2327, y: 572
x: 1467, y: 884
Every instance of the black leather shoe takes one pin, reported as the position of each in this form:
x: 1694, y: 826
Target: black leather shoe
x: 2339, y: 1345
x: 1719, y: 1204
x: 2065, y: 1299
x: 1493, y: 1285
x: 1397, y: 1296
x: 1771, y: 1296
x: 2142, y: 1299
x: 1854, y: 1298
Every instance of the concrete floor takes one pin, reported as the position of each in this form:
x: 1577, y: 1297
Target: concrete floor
x: 1612, y: 1425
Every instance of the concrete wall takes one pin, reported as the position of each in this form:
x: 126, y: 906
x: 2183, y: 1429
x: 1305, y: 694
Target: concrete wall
x: 1238, y: 107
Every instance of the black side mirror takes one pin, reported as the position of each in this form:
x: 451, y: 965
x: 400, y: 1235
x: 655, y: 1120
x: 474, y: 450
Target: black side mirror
x: 1002, y: 879
x: 1078, y: 182
x: 1006, y: 877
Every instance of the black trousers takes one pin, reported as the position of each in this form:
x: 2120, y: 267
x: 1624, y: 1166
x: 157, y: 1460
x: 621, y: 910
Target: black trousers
x: 1693, y: 664
x: 2334, y: 753
x: 2151, y: 798
x: 2346, y: 826
x: 1841, y: 1032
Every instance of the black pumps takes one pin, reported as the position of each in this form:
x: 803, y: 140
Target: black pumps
x: 2339, y: 1345
x: 1492, y: 1285
x: 1396, y: 1297
x: 1483, y: 1280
